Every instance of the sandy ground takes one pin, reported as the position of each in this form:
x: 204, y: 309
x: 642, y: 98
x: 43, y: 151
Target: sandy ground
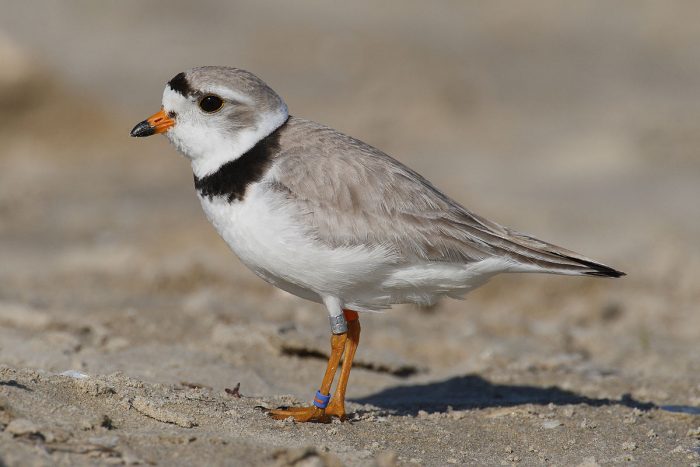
x: 126, y: 325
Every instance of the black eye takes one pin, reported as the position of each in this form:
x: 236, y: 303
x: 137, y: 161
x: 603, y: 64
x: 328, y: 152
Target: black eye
x: 211, y: 103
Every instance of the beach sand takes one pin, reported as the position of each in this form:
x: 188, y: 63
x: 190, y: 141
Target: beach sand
x: 130, y: 334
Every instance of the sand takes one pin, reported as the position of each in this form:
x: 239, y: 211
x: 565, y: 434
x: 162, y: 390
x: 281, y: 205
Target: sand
x: 130, y: 334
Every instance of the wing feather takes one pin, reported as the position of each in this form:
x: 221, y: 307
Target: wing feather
x: 349, y: 193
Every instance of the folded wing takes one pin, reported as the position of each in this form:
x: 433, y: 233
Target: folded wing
x: 349, y: 193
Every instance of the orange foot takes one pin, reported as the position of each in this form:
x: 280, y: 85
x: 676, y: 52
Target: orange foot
x: 336, y: 410
x: 301, y: 414
x: 310, y: 414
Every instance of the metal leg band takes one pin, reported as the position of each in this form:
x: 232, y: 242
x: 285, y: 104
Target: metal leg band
x: 338, y: 324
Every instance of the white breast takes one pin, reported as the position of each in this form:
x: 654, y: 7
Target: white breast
x: 265, y: 235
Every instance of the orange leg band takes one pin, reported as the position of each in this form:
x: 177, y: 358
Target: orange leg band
x: 351, y: 315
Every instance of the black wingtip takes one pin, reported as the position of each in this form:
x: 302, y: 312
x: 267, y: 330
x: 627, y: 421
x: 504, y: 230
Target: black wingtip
x: 599, y: 270
x: 608, y: 272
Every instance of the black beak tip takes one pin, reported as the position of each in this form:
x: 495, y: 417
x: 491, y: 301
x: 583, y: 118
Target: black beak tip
x: 143, y: 129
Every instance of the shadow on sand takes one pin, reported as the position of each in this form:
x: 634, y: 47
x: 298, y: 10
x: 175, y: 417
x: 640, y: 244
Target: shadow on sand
x: 474, y: 392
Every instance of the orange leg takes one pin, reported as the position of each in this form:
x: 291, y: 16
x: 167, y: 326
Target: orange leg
x: 313, y: 413
x: 336, y: 407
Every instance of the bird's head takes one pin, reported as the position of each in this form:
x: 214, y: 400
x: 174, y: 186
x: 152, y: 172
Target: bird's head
x: 215, y: 114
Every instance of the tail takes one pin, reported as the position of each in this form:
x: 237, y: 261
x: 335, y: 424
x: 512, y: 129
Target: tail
x: 586, y: 267
x: 553, y: 259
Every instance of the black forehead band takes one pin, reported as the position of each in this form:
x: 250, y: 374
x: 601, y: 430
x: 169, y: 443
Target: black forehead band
x: 180, y: 84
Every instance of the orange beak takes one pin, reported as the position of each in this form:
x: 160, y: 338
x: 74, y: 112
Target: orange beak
x: 157, y: 123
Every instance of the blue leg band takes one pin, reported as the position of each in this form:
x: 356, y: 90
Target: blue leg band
x: 320, y: 400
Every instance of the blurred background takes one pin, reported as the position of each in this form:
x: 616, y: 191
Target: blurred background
x: 577, y: 122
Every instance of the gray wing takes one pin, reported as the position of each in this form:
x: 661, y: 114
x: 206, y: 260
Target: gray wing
x: 349, y: 193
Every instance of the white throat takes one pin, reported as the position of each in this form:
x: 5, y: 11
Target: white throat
x: 210, y: 148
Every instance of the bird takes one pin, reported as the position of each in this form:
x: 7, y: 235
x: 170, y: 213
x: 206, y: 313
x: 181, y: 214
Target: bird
x: 331, y: 219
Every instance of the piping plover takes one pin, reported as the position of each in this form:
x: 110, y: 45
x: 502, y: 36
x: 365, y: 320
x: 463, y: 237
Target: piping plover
x: 329, y: 218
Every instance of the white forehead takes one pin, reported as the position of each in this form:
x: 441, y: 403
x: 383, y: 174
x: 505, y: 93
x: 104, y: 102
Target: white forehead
x: 172, y: 99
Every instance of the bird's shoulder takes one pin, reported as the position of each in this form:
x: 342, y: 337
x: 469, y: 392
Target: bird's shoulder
x: 318, y: 163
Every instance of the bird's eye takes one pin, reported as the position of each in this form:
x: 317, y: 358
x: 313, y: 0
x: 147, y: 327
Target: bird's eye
x: 211, y: 103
